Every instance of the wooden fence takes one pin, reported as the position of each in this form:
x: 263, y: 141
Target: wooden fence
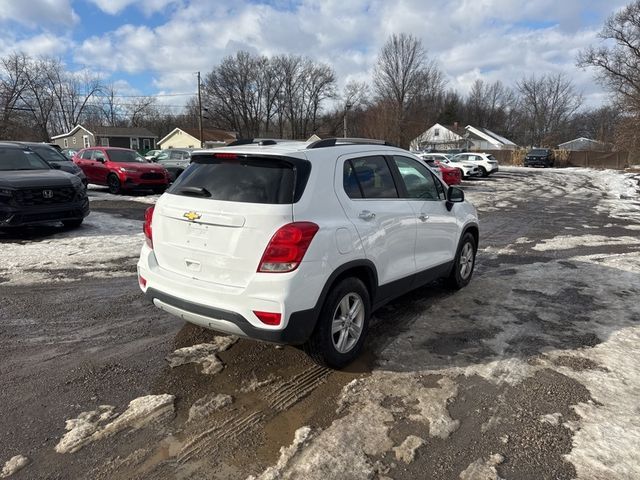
x: 569, y: 158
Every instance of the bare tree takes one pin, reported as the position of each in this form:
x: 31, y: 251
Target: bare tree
x: 548, y: 104
x: 618, y: 65
x: 406, y: 80
x: 12, y: 85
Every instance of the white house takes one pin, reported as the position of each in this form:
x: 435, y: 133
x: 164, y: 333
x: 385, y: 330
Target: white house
x: 584, y: 143
x: 451, y: 137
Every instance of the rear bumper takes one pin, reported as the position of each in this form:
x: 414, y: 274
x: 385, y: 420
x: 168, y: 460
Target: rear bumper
x: 538, y: 163
x: 230, y: 309
x: 24, y: 216
x: 297, y: 331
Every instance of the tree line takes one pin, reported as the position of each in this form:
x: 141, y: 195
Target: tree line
x: 291, y: 96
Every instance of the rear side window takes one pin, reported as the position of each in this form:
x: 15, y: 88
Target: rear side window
x: 368, y: 177
x: 243, y: 179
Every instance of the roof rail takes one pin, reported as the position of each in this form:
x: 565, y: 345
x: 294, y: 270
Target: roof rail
x: 259, y: 141
x: 332, y: 142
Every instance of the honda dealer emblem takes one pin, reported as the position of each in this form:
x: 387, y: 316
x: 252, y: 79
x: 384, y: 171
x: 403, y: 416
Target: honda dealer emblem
x: 47, y: 193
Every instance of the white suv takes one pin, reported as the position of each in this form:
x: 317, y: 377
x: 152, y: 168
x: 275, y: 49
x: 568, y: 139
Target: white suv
x: 298, y: 243
x: 486, y: 162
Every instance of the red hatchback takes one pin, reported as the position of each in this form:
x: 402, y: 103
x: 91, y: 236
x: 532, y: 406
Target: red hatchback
x: 451, y: 176
x: 121, y: 169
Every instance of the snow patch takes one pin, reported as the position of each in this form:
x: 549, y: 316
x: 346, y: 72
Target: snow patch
x: 301, y: 437
x: 406, y: 452
x: 100, y: 193
x: 208, y: 404
x: 566, y: 242
x: 551, y: 418
x: 483, y: 469
x: 90, y: 250
x: 90, y: 427
x: 203, y: 354
x: 14, y: 465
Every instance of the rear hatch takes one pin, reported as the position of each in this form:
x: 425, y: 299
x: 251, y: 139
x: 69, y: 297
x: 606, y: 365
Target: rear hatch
x: 216, y: 220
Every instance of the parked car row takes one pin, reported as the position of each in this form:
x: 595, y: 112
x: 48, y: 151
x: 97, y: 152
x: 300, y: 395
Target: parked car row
x: 461, y: 165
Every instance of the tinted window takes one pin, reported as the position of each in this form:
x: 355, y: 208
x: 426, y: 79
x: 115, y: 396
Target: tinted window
x: 87, y: 154
x: 418, y: 180
x: 98, y: 155
x: 247, y: 180
x: 368, y: 177
x: 16, y: 159
x: 126, y: 156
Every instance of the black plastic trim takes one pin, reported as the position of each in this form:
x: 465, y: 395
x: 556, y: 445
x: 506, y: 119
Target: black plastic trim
x: 297, y: 331
x: 332, y: 142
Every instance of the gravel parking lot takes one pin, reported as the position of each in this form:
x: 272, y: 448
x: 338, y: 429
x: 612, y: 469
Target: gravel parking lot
x: 530, y: 372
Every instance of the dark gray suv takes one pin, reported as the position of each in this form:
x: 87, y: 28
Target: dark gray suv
x: 33, y: 192
x: 175, y: 160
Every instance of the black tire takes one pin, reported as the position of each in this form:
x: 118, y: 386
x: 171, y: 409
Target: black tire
x: 484, y: 172
x: 159, y: 190
x: 321, y: 347
x: 73, y: 223
x: 462, y: 175
x: 113, y: 182
x: 462, y: 269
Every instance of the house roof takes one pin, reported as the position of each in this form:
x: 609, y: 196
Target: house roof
x: 582, y: 139
x: 455, y: 129
x: 209, y: 134
x: 71, y: 132
x: 124, y: 132
x: 488, y: 136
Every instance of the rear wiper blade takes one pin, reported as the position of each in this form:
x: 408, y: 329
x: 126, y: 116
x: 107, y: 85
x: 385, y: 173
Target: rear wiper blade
x: 195, y: 191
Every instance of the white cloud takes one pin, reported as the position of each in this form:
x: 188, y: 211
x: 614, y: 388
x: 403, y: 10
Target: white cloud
x: 34, y: 13
x: 489, y: 39
x: 113, y: 7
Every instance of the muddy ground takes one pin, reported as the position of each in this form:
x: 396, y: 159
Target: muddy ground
x: 507, y: 377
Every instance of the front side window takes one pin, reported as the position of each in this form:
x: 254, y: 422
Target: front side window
x: 86, y: 155
x: 418, y: 180
x: 368, y: 177
x: 126, y: 156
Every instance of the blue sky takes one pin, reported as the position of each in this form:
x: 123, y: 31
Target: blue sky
x: 150, y: 47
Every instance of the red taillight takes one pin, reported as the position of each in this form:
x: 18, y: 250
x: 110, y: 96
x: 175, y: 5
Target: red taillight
x: 148, y: 233
x: 228, y: 156
x: 268, y: 318
x: 287, y: 247
x: 142, y: 281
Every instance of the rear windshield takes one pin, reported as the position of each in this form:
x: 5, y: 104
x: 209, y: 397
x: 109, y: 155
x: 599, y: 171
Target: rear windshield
x: 538, y: 152
x: 50, y: 154
x: 125, y: 156
x: 17, y: 159
x: 243, y: 179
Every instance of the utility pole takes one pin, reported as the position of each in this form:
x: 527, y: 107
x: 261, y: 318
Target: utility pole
x: 200, y: 112
x: 346, y: 109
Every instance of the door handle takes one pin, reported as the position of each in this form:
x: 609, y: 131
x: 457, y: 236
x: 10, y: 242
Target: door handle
x: 424, y: 217
x: 366, y: 215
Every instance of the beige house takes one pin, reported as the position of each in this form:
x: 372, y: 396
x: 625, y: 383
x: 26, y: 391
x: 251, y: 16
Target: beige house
x: 189, y: 138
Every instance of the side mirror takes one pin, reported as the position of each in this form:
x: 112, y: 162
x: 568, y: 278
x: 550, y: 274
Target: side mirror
x: 101, y: 160
x: 454, y: 195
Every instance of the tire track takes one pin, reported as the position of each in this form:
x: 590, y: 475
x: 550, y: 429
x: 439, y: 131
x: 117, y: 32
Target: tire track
x: 280, y: 399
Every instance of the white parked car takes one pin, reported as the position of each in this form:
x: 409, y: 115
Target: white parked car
x: 486, y: 163
x: 467, y: 169
x: 298, y: 243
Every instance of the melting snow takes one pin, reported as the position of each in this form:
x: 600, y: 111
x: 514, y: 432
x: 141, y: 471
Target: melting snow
x: 483, y: 469
x: 14, y: 465
x: 566, y: 242
x: 203, y: 354
x: 89, y: 427
x: 90, y: 250
x: 407, y: 450
x: 208, y: 404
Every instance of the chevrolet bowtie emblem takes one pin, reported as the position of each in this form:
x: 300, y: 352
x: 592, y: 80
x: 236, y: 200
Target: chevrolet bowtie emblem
x: 192, y: 216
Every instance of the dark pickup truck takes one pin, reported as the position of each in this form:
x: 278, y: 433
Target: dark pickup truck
x: 34, y: 192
